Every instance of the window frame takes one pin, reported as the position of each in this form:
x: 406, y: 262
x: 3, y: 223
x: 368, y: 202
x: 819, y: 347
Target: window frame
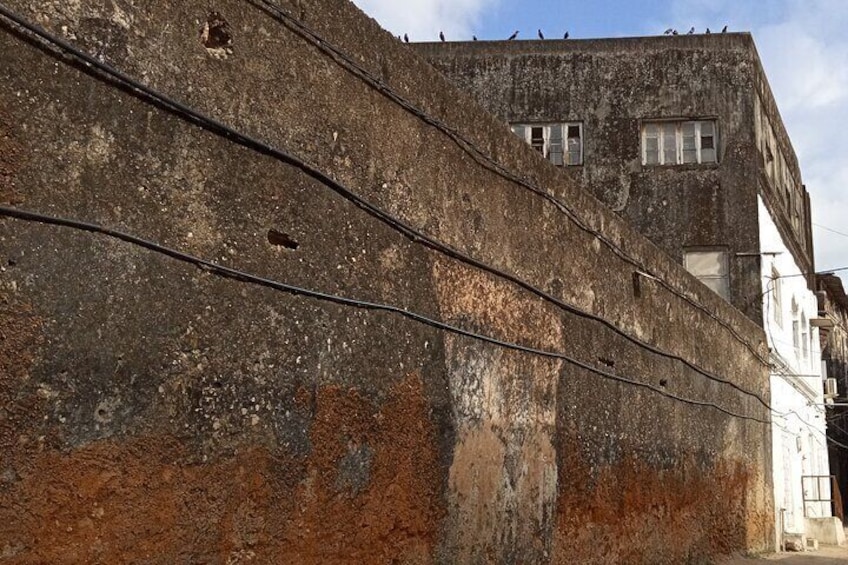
x: 679, y: 140
x: 725, y: 262
x: 527, y: 135
x: 777, y: 294
x: 796, y: 328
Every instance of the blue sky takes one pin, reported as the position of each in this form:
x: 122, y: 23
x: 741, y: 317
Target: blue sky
x: 803, y: 45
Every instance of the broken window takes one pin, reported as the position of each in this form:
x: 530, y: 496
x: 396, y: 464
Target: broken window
x: 710, y: 266
x: 575, y: 145
x: 679, y: 142
x: 537, y: 139
x: 561, y: 144
x: 708, y: 146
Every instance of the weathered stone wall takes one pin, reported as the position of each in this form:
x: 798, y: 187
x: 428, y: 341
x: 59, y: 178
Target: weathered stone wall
x: 156, y: 412
x: 611, y: 86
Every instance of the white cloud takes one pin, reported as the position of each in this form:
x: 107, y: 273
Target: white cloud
x: 423, y: 19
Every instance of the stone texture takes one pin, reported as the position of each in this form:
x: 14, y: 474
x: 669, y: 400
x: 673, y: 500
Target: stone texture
x: 157, y: 413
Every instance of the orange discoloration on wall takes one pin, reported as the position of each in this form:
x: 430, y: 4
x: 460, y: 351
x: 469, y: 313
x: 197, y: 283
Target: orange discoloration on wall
x: 20, y: 339
x: 141, y: 498
x: 502, y: 307
x: 398, y: 512
x: 149, y: 497
x: 631, y: 512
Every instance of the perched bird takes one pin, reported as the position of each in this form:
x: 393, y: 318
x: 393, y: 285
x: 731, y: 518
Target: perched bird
x: 513, y: 36
x: 668, y: 31
x: 724, y: 29
x: 541, y: 36
x: 691, y: 31
x: 405, y: 38
x: 474, y: 37
x: 708, y: 31
x: 674, y: 32
x: 565, y: 36
x: 442, y: 35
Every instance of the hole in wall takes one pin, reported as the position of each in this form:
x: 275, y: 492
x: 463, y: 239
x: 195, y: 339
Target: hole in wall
x: 281, y: 239
x: 216, y: 36
x: 607, y: 362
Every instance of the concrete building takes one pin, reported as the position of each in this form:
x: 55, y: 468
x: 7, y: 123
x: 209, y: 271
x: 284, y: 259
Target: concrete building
x: 465, y: 357
x: 681, y: 136
x: 833, y: 309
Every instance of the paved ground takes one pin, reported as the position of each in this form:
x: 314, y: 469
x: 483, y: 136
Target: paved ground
x: 826, y: 555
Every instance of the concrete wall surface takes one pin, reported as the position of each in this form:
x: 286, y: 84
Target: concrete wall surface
x: 156, y: 412
x: 826, y: 530
x: 612, y: 87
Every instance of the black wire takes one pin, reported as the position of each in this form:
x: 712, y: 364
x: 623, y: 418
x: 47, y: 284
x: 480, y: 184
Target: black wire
x: 831, y: 424
x: 479, y: 155
x: 823, y: 272
x: 837, y: 443
x: 221, y: 129
x: 242, y: 276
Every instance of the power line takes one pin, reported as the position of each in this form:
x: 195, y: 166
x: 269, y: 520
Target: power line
x: 808, y: 273
x: 831, y: 230
x: 242, y: 276
x: 114, y: 76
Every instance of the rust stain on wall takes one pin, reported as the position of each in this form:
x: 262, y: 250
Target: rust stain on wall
x: 373, y: 487
x: 20, y: 404
x: 370, y: 491
x: 140, y: 499
x: 632, y: 512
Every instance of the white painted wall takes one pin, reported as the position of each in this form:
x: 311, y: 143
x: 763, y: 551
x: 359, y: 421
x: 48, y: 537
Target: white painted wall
x: 798, y: 429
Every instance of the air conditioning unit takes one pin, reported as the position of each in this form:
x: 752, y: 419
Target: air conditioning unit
x: 830, y: 388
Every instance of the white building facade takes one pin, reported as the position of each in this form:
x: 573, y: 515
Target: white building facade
x: 799, y: 443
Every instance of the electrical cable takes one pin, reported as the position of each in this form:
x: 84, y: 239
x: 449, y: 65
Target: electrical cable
x: 843, y: 435
x: 242, y: 276
x: 179, y: 109
x: 479, y: 155
x: 775, y: 369
x: 825, y: 228
x: 837, y: 443
x: 840, y: 428
x: 808, y: 273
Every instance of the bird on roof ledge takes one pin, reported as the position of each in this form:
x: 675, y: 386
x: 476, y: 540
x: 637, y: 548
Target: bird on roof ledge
x: 513, y: 36
x: 691, y: 31
x: 442, y: 35
x: 724, y: 29
x: 541, y: 35
x: 565, y: 36
x: 668, y: 31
